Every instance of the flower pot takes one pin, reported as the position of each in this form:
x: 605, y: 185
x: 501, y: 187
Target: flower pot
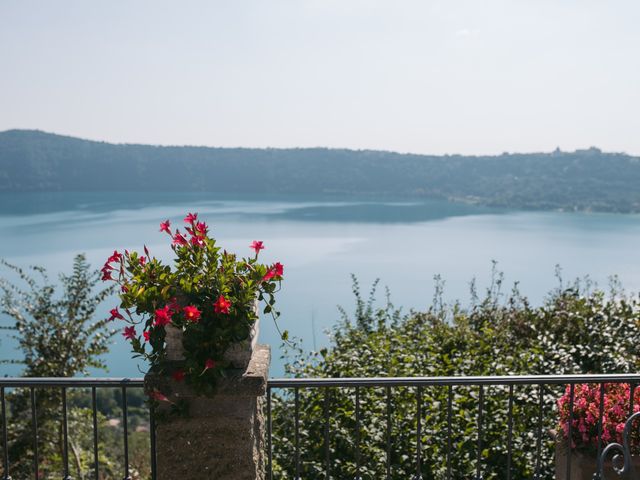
x: 238, y: 354
x: 584, y: 466
x: 173, y: 343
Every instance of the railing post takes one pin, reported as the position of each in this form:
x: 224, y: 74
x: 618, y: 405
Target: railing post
x: 221, y: 436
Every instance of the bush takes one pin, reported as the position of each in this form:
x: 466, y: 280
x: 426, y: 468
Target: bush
x: 579, y: 329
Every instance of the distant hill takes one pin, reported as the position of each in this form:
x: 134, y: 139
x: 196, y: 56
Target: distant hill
x: 584, y: 180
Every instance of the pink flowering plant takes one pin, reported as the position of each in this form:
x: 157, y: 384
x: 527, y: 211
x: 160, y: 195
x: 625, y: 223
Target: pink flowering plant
x: 209, y: 295
x: 586, y: 415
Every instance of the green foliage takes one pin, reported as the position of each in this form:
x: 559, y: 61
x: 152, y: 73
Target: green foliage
x: 210, y: 296
x: 58, y: 336
x: 578, y: 330
x: 584, y: 180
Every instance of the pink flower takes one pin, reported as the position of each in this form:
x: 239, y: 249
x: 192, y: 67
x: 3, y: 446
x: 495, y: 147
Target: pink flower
x: 279, y: 269
x: 174, y: 306
x: 257, y: 246
x: 129, y: 333
x: 147, y: 335
x: 190, y: 218
x: 209, y: 363
x: 116, y: 257
x: 179, y: 240
x: 178, y: 375
x: 197, y: 241
x: 106, y: 275
x: 156, y: 395
x: 164, y: 226
x: 586, y: 412
x: 115, y: 314
x: 269, y: 275
x: 191, y: 313
x: 222, y: 305
x: 163, y: 316
x: 275, y: 271
x: 143, y: 260
x: 201, y: 228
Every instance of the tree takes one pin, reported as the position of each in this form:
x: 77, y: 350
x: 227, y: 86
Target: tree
x: 58, y: 336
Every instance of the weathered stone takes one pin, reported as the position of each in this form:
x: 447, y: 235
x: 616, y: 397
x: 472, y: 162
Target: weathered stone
x: 238, y: 354
x: 222, y: 437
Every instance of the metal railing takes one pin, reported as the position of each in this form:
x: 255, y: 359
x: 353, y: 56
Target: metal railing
x: 370, y: 401
x: 323, y: 391
x: 61, y: 386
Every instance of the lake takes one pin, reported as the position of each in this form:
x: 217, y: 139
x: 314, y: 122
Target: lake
x: 321, y: 242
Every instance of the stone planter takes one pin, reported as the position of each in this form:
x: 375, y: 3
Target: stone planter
x: 218, y: 437
x: 173, y: 343
x: 238, y: 354
x: 583, y: 467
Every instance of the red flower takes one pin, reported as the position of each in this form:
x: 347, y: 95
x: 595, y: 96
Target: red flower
x: 178, y: 375
x: 257, y: 246
x: 106, y: 275
x: 115, y: 314
x: 190, y: 218
x: 269, y: 275
x: 106, y: 272
x: 222, y: 305
x: 147, y: 335
x: 116, y: 257
x: 178, y: 239
x: 201, y: 228
x: 275, y: 271
x: 156, y: 395
x: 174, y: 306
x: 191, y: 313
x: 209, y: 363
x: 197, y: 241
x: 164, y: 226
x: 279, y: 268
x: 129, y: 333
x: 143, y: 260
x: 163, y: 316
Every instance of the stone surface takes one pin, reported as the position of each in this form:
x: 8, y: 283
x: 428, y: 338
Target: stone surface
x: 239, y: 354
x: 223, y: 436
x: 173, y: 342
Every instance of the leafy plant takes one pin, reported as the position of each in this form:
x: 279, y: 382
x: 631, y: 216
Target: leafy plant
x: 58, y: 336
x: 210, y: 296
x: 579, y: 329
x: 586, y: 415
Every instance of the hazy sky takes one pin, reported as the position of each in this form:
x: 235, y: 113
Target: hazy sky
x: 422, y: 76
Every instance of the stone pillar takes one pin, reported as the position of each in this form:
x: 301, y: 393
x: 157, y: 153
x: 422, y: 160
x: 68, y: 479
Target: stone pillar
x: 222, y: 437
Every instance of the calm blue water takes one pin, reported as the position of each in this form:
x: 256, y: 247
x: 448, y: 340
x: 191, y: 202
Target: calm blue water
x: 321, y: 242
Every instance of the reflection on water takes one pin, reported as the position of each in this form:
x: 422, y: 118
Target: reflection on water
x: 321, y: 241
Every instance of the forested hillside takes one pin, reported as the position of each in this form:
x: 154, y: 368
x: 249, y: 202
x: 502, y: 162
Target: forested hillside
x: 587, y: 180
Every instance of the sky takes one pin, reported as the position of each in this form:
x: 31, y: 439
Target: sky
x: 424, y: 76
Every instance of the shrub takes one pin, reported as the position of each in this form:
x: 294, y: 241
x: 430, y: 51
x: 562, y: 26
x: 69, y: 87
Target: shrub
x: 579, y: 329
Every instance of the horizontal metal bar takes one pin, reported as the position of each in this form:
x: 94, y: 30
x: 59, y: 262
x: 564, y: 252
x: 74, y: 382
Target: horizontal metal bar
x: 421, y: 381
x: 343, y: 382
x: 69, y: 382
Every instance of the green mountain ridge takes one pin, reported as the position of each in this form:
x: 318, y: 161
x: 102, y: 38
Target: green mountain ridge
x: 584, y: 180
